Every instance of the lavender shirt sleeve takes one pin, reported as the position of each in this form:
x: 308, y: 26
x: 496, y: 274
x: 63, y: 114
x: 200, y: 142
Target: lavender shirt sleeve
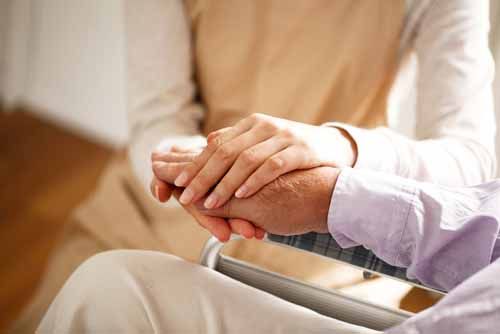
x: 472, y: 307
x: 442, y: 235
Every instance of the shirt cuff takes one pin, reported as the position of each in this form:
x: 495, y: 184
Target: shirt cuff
x: 370, y: 209
x: 375, y: 150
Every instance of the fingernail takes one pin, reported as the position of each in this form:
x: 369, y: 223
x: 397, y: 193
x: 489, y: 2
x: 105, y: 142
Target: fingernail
x: 181, y: 179
x: 241, y: 192
x: 186, y: 197
x: 157, y: 192
x: 211, y: 201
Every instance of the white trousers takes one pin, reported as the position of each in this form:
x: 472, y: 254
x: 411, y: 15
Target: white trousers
x: 152, y: 292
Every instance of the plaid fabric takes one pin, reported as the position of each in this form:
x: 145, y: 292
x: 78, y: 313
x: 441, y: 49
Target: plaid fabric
x: 325, y: 245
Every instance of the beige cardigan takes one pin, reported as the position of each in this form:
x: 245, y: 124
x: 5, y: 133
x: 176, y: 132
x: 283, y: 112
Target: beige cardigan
x: 326, y: 61
x: 455, y: 126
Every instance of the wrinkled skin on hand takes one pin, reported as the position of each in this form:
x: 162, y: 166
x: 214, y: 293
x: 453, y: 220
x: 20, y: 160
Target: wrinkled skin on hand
x: 294, y: 203
x: 166, y: 167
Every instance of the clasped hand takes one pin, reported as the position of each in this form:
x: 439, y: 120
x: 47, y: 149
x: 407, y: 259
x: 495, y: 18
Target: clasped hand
x: 264, y: 174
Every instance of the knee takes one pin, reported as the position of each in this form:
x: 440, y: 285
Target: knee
x: 120, y: 285
x: 100, y: 275
x: 105, y: 266
x: 121, y: 270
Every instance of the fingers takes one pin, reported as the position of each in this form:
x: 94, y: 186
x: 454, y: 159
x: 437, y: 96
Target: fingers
x: 234, y: 208
x: 178, y: 149
x: 168, y: 172
x: 219, y: 163
x: 281, y: 163
x: 246, y: 229
x: 246, y: 163
x: 242, y: 227
x: 160, y: 190
x: 177, y: 159
x: 259, y: 233
x: 215, y: 140
x: 218, y: 227
x: 172, y: 156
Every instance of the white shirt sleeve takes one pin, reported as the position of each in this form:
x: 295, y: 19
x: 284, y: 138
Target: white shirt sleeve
x: 455, y: 122
x: 160, y: 88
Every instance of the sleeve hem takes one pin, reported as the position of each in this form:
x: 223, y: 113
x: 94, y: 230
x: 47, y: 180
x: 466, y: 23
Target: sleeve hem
x: 371, y: 147
x: 371, y: 209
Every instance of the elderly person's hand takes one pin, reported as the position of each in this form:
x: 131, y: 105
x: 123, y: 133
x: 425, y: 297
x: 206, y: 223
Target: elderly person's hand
x: 294, y: 203
x: 240, y: 160
x: 166, y: 167
x: 168, y: 164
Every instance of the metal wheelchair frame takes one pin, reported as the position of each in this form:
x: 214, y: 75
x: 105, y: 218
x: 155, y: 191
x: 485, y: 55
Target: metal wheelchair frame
x: 328, y: 302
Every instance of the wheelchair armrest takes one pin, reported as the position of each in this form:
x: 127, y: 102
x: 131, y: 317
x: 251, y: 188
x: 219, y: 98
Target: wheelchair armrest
x: 328, y: 302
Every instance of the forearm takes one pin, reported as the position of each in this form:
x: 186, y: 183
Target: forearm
x: 424, y: 227
x: 454, y: 159
x: 160, y: 89
x: 454, y: 121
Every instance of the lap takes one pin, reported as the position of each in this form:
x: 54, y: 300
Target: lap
x: 152, y: 290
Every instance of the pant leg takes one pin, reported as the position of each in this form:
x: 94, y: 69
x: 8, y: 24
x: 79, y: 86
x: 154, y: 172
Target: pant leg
x: 144, y: 292
x: 75, y: 247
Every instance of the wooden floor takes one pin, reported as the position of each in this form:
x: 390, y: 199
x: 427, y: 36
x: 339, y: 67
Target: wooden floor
x: 44, y: 173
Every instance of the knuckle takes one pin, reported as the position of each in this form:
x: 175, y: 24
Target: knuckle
x: 255, y: 181
x: 156, y: 155
x: 276, y: 163
x: 212, y: 137
x: 256, y: 117
x: 269, y: 125
x: 287, y: 133
x: 225, y: 153
x: 248, y: 157
x: 214, y: 143
x: 211, y: 147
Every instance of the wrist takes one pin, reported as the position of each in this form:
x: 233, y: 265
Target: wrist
x: 329, y: 178
x: 336, y: 147
x: 349, y: 147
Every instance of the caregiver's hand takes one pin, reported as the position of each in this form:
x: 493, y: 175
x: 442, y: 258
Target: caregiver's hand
x: 166, y: 167
x: 242, y: 159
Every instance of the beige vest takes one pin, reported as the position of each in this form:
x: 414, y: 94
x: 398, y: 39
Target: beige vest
x: 309, y: 61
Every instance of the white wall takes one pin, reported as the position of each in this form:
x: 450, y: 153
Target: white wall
x: 74, y: 69
x: 15, y: 40
x: 4, y: 7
